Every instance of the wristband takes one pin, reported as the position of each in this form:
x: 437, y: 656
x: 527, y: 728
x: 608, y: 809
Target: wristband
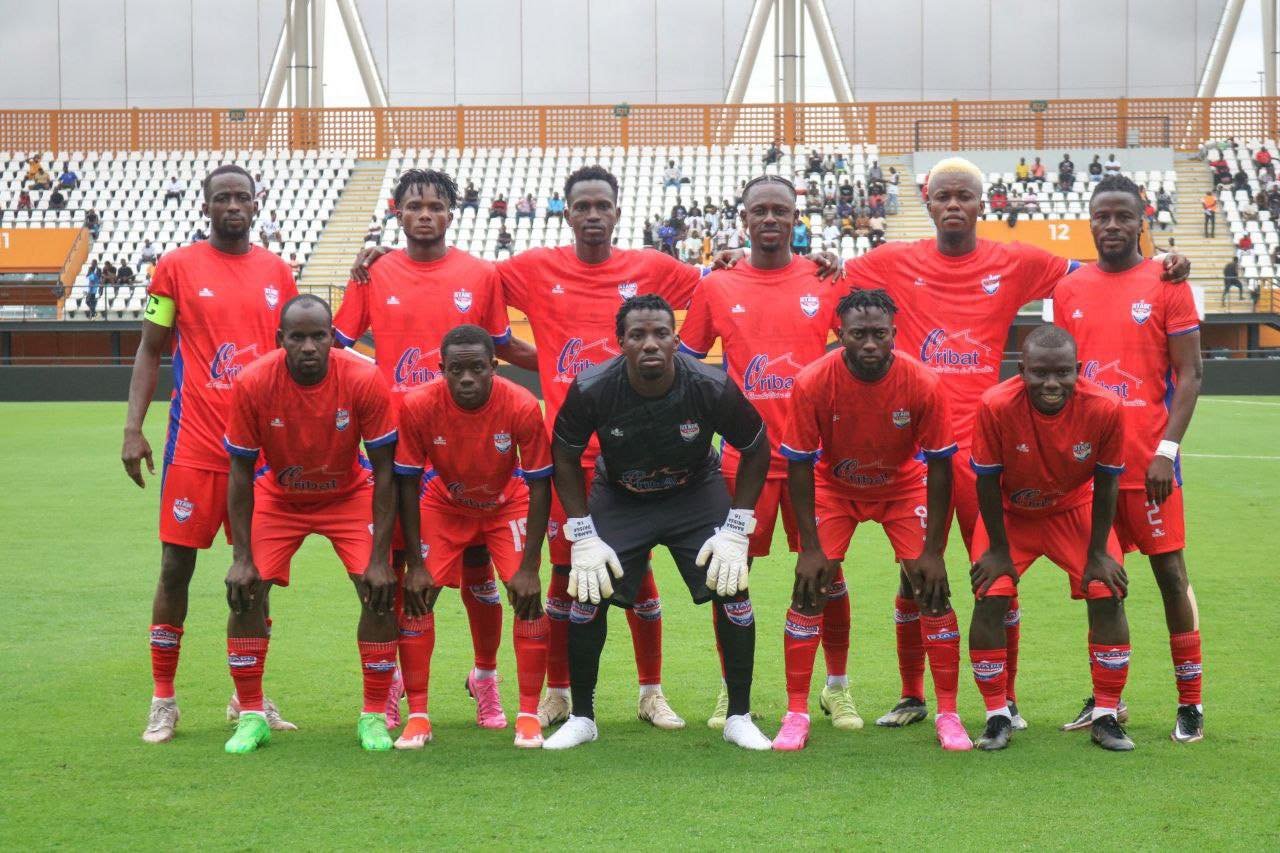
x: 577, y: 529
x: 1168, y: 449
x: 741, y: 521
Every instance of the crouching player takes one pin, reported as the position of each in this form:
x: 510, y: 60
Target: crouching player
x: 306, y: 409
x: 1044, y: 441
x: 482, y: 439
x: 865, y: 414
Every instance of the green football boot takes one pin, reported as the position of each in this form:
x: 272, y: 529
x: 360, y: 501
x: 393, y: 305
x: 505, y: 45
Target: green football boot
x: 373, y: 733
x: 251, y: 732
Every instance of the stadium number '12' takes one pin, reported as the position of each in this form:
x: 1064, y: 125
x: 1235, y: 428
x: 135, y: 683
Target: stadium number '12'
x: 1059, y: 231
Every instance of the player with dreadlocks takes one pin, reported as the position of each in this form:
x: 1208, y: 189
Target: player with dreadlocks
x: 411, y: 301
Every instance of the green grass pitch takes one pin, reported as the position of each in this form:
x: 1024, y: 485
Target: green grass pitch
x: 80, y: 564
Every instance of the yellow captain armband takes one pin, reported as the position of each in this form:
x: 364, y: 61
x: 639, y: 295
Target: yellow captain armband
x: 160, y: 310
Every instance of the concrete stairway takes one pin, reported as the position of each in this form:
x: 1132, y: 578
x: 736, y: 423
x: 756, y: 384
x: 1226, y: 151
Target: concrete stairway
x: 1208, y: 255
x: 912, y: 221
x: 330, y: 262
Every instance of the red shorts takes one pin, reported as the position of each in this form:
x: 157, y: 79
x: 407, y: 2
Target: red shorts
x: 280, y: 526
x: 1148, y: 527
x: 904, y: 521
x: 445, y: 535
x: 193, y: 505
x: 773, y: 497
x: 1063, y: 537
x: 560, y: 547
x: 964, y: 494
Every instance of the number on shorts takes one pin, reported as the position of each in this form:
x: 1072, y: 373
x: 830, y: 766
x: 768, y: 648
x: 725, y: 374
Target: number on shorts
x: 1153, y: 514
x: 922, y: 513
x: 517, y: 533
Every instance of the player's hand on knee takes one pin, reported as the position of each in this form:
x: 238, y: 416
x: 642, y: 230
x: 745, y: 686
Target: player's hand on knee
x: 524, y: 591
x: 929, y: 581
x: 727, y: 553
x: 812, y: 576
x: 1107, y: 571
x: 378, y: 586
x: 418, y: 584
x: 132, y: 454
x: 991, y: 566
x: 243, y: 586
x: 1160, y: 479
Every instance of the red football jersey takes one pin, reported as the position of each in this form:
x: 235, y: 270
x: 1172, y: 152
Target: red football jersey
x: 1047, y: 462
x: 1122, y: 323
x: 572, y: 306
x: 954, y: 314
x: 772, y: 324
x: 867, y: 437
x: 411, y: 305
x: 481, y: 458
x: 228, y: 310
x: 310, y: 435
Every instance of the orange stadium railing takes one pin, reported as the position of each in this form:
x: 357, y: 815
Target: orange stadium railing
x: 1180, y: 123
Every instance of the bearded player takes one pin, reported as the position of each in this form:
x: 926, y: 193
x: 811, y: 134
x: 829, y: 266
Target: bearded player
x: 773, y: 319
x: 957, y: 298
x: 867, y: 416
x: 1140, y: 338
x: 1048, y: 449
x: 482, y: 439
x: 216, y: 303
x: 410, y: 300
x: 305, y: 410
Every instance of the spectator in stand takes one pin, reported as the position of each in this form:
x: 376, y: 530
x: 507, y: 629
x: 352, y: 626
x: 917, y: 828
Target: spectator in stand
x: 815, y: 162
x: 374, y: 234
x: 828, y: 165
x: 829, y: 191
x: 1273, y: 202
x: 1095, y: 169
x: 1249, y: 211
x: 875, y: 202
x: 1222, y: 173
x: 1230, y: 279
x: 1241, y: 180
x: 891, y: 199
x: 68, y: 180
x: 198, y: 234
x: 1210, y: 204
x: 846, y: 191
x: 93, y: 222
x: 1030, y: 202
x: 671, y: 176
x: 270, y: 230
x: 555, y: 207
x: 842, y: 165
x: 1037, y: 171
x: 813, y: 199
x: 498, y: 208
x: 874, y: 173
x: 862, y: 224
x: 998, y: 198
x: 173, y: 191
x: 1262, y: 159
x: 124, y: 272
x: 1022, y: 172
x: 723, y: 236
x: 653, y: 233
x: 261, y: 194
x: 148, y: 254
x: 712, y: 215
x: 800, y: 236
x: 526, y: 208
x: 1164, y: 204
x: 844, y: 208
x: 1112, y: 166
x: 773, y: 153
x: 57, y: 201
x: 678, y: 212
x: 695, y: 212
x: 146, y: 271
x: 1244, y: 246
x: 667, y: 238
x: 93, y: 279
x: 1066, y: 173
x: 505, y: 242
x: 829, y: 213
x: 876, y: 223
x: 295, y: 266
x: 109, y: 275
x: 470, y: 198
x: 24, y: 200
x: 390, y: 212
x: 831, y: 233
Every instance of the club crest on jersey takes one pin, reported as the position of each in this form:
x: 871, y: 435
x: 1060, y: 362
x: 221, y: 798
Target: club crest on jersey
x: 462, y: 300
x: 689, y: 430
x: 272, y: 295
x: 341, y: 419
x: 182, y: 509
x: 1081, y: 451
x: 990, y: 284
x: 1140, y: 311
x: 502, y: 441
x: 627, y: 289
x: 901, y: 418
x: 809, y: 305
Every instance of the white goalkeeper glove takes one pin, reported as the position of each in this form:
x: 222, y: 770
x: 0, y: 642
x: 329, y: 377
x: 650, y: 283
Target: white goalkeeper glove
x: 727, y: 550
x: 591, y: 562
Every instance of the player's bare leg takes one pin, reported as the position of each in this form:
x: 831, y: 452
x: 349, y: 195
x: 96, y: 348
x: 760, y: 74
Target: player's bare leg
x: 1109, y: 652
x: 376, y: 636
x: 416, y: 644
x: 479, y: 593
x: 247, y: 643
x: 988, y: 654
x: 911, y: 707
x: 941, y: 634
x: 168, y: 613
x: 1182, y: 619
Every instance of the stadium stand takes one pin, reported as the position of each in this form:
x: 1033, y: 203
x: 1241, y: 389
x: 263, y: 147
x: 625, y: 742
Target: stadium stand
x: 1249, y: 211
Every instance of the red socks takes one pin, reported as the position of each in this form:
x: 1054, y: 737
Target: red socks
x: 531, y: 660
x: 378, y: 664
x: 835, y: 627
x: 558, y: 604
x: 166, y: 642
x: 800, y: 640
x: 906, y: 620
x: 1109, y: 665
x: 247, y: 657
x: 484, y: 611
x: 1012, y: 635
x: 645, y: 619
x: 417, y: 642
x: 1187, y: 669
x: 942, y: 645
x: 989, y: 671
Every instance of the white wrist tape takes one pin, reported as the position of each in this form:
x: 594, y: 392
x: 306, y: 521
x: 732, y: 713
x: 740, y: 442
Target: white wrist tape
x: 1168, y: 449
x: 741, y: 521
x: 577, y: 529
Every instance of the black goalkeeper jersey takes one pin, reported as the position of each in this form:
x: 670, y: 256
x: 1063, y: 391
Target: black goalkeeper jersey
x: 654, y: 446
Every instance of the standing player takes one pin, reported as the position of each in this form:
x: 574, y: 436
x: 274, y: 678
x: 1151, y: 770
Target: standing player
x: 216, y: 303
x: 773, y: 319
x: 1141, y: 339
x: 866, y: 415
x: 1048, y: 451
x: 958, y: 296
x: 482, y: 438
x: 410, y: 300
x: 658, y: 482
x: 305, y: 410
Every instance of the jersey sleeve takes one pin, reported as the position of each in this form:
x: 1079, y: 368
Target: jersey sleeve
x: 1111, y: 443
x: 241, y: 437
x: 352, y: 319
x: 737, y: 420
x: 698, y: 332
x: 377, y: 423
x: 531, y: 439
x: 411, y: 456
x: 162, y: 296
x: 866, y: 272
x: 288, y: 284
x: 512, y: 273
x: 984, y: 457
x: 678, y: 281
x: 1040, y: 271
x: 1180, y: 310
x: 802, y: 442
x: 576, y: 422
x: 496, y: 322
x: 936, y: 439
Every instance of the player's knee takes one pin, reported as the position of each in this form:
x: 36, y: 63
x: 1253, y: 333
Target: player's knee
x: 991, y: 611
x: 475, y: 557
x: 837, y: 588
x: 177, y: 565
x: 415, y: 626
x: 1107, y: 623
x: 1171, y: 574
x: 808, y: 609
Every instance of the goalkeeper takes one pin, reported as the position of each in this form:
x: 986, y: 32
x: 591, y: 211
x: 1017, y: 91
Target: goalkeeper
x: 657, y: 482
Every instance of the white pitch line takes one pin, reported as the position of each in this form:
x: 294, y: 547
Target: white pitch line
x: 1225, y: 456
x: 1241, y: 402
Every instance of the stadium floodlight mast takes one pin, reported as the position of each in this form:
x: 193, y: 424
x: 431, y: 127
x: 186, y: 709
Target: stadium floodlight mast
x: 300, y: 53
x: 789, y: 24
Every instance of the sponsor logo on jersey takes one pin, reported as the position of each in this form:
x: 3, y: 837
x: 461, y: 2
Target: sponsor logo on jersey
x: 1110, y: 376
x: 461, y: 495
x: 1082, y: 451
x: 1140, y: 311
x: 1112, y: 658
x: 627, y: 289
x: 272, y: 295
x: 740, y: 612
x: 855, y: 473
x: 987, y: 670
x: 415, y: 367
x: 228, y: 361
x: 502, y: 441
x: 990, y: 284
x: 770, y: 380
x: 615, y: 432
x: 809, y: 304
x: 577, y: 355
x: 689, y: 430
x: 241, y: 661
x: 293, y: 479
x: 1034, y: 498
x: 954, y: 352
x: 901, y: 418
x: 462, y: 299
x: 658, y: 480
x: 341, y: 419
x: 182, y: 509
